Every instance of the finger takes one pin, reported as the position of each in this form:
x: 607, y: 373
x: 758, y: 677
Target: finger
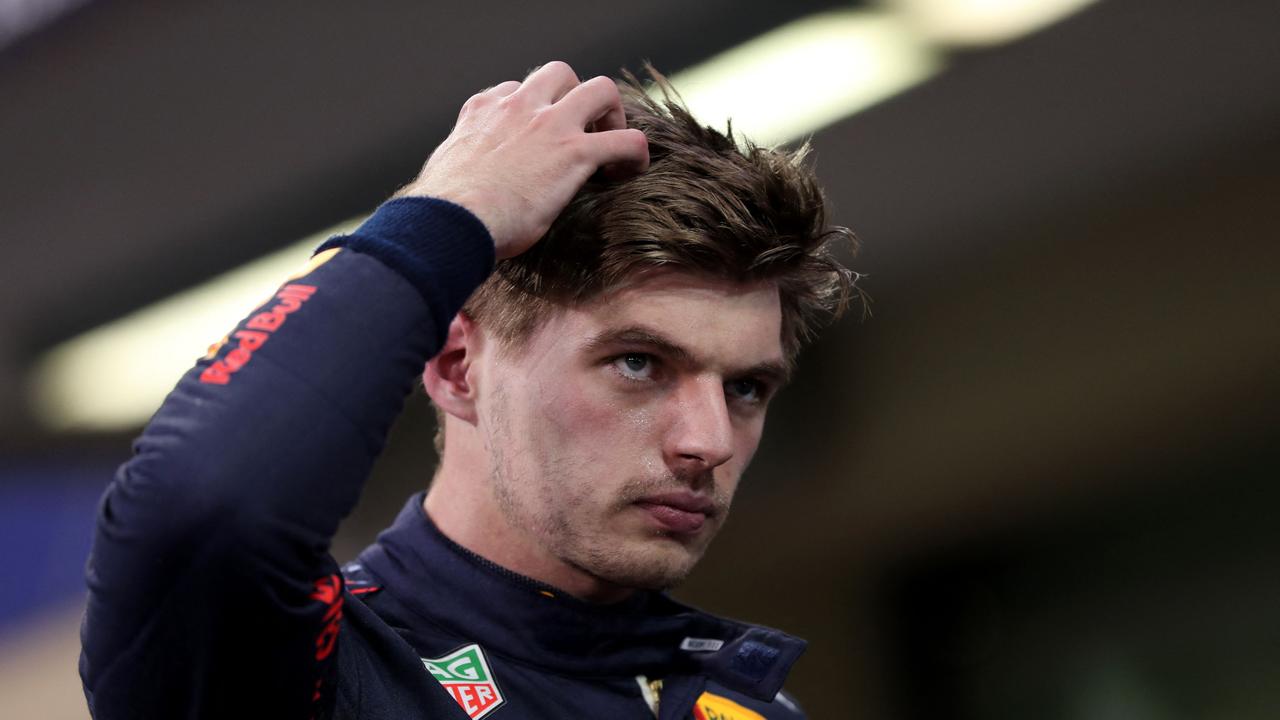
x: 618, y: 153
x: 502, y: 89
x: 549, y: 83
x: 595, y: 102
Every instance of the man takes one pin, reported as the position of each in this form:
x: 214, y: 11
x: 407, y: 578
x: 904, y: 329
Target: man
x: 600, y: 393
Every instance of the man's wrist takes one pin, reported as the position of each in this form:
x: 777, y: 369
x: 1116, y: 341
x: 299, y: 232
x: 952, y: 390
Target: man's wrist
x: 431, y: 242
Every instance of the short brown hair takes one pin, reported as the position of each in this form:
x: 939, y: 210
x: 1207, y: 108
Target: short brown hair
x: 706, y: 205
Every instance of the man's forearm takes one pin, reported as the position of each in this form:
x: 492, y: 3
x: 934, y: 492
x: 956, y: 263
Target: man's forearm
x: 239, y: 482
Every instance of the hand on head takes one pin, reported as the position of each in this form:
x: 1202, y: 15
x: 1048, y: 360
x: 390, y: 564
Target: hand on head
x: 521, y: 150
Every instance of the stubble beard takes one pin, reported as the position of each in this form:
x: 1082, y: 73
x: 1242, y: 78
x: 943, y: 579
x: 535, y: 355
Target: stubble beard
x: 572, y: 529
x: 657, y: 561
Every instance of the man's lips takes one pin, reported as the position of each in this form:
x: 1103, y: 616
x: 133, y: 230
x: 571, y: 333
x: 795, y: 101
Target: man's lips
x: 679, y: 512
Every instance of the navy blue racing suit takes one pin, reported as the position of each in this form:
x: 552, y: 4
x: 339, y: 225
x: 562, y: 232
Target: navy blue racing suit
x: 212, y: 593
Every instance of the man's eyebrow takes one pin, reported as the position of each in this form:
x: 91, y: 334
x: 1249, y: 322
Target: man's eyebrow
x: 638, y: 335
x: 777, y: 373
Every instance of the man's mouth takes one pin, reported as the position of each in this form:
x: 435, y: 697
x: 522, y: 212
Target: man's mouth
x: 679, y: 512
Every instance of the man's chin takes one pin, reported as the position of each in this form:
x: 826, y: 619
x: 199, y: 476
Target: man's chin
x: 647, y: 580
x: 656, y: 563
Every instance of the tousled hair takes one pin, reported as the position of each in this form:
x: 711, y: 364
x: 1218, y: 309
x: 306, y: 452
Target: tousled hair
x: 707, y: 205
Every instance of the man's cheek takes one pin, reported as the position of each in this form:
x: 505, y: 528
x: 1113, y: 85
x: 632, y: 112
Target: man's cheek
x: 580, y: 409
x: 747, y: 443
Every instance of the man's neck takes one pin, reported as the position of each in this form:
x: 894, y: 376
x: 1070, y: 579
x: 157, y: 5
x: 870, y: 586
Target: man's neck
x: 463, y: 508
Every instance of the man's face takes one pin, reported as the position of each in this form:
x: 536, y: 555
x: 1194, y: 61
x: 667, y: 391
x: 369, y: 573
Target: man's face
x: 617, y: 435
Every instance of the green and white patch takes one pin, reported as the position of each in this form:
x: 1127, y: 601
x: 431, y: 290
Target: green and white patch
x: 465, y: 674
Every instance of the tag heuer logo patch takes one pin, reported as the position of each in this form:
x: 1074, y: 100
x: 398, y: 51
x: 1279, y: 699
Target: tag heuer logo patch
x: 465, y: 674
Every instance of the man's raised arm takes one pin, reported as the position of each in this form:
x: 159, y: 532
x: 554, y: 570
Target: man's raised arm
x: 212, y: 593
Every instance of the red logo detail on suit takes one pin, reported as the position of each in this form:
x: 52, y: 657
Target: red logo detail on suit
x: 257, y: 331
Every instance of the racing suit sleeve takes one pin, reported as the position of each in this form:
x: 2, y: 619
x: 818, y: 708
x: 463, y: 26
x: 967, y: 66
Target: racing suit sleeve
x: 211, y: 590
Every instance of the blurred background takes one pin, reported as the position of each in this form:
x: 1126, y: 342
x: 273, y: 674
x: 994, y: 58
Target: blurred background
x: 1038, y: 480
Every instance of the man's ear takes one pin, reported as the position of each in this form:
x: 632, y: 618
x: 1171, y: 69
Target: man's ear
x: 446, y: 376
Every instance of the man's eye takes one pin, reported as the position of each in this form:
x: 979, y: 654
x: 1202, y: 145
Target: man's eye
x: 747, y: 390
x: 635, y: 366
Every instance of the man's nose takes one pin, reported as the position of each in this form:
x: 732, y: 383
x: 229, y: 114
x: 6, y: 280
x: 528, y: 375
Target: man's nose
x: 701, y: 437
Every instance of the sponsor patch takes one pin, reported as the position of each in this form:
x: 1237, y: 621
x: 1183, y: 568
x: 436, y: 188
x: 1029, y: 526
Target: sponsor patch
x: 220, y: 372
x: 257, y: 332
x: 713, y: 707
x: 466, y: 676
x: 693, y: 644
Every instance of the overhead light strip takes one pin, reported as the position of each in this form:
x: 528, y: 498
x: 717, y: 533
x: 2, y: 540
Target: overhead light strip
x: 982, y: 22
x: 807, y: 74
x: 116, y: 375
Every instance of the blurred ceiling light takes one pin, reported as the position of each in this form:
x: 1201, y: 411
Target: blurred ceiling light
x: 983, y: 22
x: 116, y: 375
x: 807, y: 74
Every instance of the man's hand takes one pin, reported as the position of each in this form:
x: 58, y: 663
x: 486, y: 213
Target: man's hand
x: 521, y: 150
